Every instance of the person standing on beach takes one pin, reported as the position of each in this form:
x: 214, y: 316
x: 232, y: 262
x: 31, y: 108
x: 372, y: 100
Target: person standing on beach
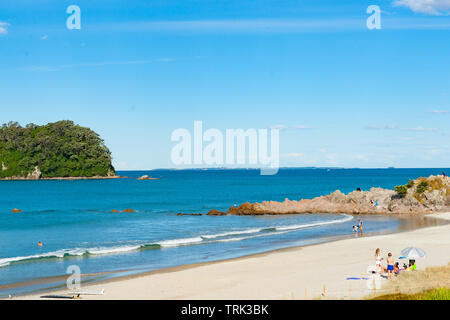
x: 390, y: 265
x: 378, y: 259
x: 360, y: 226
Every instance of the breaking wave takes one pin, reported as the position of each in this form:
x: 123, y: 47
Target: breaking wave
x: 235, y: 235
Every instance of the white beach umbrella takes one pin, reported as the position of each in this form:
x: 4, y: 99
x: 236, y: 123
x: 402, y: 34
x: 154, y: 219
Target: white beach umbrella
x: 413, y: 253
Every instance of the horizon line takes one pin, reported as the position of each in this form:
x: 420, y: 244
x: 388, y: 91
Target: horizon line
x: 306, y: 167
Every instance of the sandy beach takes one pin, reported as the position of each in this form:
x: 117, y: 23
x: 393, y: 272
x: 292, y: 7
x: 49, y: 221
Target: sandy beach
x: 295, y: 273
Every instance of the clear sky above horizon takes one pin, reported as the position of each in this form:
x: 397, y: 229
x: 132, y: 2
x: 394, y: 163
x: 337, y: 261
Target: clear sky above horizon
x: 342, y: 95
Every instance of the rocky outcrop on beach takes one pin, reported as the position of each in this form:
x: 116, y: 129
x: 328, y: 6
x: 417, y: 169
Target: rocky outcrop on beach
x: 421, y: 196
x: 35, y: 174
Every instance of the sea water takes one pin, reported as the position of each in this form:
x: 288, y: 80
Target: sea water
x: 73, y: 220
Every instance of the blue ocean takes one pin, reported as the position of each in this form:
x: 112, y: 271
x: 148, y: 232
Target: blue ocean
x: 73, y: 220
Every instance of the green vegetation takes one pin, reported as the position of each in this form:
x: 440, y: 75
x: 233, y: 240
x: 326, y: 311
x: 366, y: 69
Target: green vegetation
x: 401, y: 190
x: 433, y: 294
x: 410, y: 184
x: 60, y: 149
x: 422, y: 187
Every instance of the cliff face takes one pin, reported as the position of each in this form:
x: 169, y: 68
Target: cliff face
x: 424, y: 195
x: 60, y: 149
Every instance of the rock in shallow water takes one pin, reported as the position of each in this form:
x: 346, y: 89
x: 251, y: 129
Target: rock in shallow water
x: 215, y: 212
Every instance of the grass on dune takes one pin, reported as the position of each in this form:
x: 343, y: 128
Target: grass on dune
x: 433, y: 294
x: 433, y: 283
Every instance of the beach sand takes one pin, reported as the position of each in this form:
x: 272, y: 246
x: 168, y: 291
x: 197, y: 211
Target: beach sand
x: 294, y: 273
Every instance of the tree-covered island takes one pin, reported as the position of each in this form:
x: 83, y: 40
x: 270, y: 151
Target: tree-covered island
x: 55, y: 150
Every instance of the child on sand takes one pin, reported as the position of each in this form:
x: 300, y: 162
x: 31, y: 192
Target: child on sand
x: 390, y: 265
x: 378, y: 259
x: 396, y: 268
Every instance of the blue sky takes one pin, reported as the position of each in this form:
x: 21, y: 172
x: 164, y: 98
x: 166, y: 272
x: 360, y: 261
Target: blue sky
x: 342, y: 95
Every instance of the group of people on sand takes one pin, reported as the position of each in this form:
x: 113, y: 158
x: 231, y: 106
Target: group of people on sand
x: 392, y: 267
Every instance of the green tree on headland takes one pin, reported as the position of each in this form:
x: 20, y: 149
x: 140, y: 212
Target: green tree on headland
x: 60, y: 149
x: 401, y: 190
x: 422, y: 187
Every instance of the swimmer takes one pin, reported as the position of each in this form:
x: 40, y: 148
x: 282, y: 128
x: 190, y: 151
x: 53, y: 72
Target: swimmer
x: 40, y: 244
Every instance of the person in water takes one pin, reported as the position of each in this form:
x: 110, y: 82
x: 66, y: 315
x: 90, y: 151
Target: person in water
x: 40, y: 244
x: 390, y: 265
x: 358, y: 227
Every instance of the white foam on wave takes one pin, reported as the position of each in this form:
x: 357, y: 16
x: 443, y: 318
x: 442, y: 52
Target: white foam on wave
x: 173, y: 242
x: 232, y: 233
x: 4, y: 262
x: 55, y: 254
x: 179, y: 242
x: 110, y: 250
x: 316, y: 224
x: 250, y: 237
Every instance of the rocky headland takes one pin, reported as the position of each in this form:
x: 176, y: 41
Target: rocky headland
x: 420, y: 196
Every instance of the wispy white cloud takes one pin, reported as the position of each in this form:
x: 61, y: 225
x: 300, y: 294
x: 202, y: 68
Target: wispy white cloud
x: 301, y: 127
x: 4, y: 28
x: 381, y: 127
x: 270, y: 26
x: 438, y: 111
x: 422, y: 129
x: 94, y: 64
x: 291, y: 155
x: 296, y: 127
x: 278, y: 126
x: 44, y: 37
x: 393, y: 127
x: 236, y: 25
x: 165, y: 60
x: 362, y: 157
x: 433, y: 7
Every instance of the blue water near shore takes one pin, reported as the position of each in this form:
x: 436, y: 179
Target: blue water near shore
x: 73, y: 220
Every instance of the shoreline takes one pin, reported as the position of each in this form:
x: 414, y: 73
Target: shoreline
x: 179, y: 282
